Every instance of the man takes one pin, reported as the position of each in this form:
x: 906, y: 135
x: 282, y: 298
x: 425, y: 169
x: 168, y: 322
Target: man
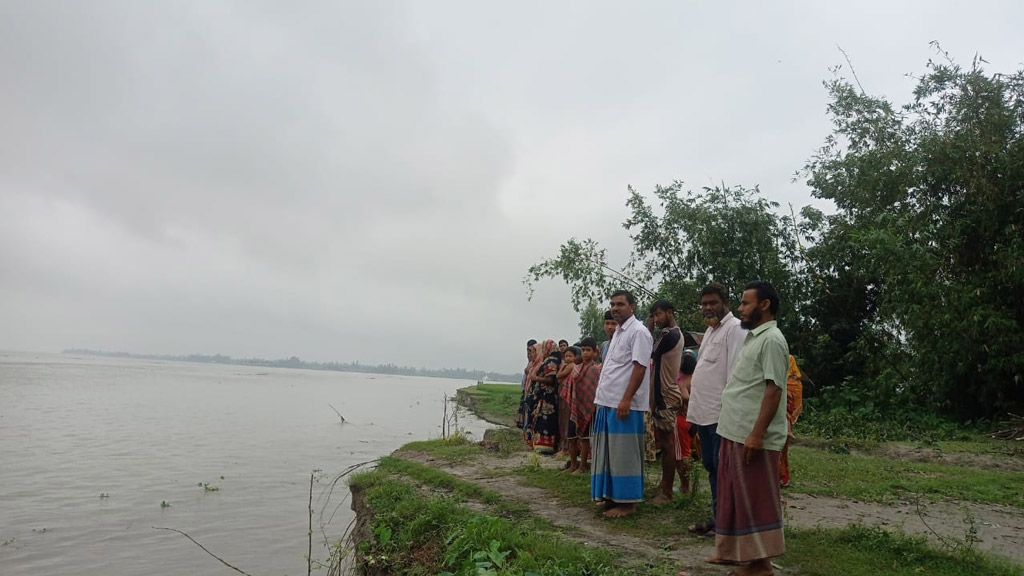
x: 718, y: 352
x: 665, y: 396
x: 563, y: 345
x: 622, y: 398
x: 753, y: 428
x: 609, y: 330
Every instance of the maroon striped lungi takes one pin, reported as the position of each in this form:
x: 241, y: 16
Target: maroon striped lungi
x: 748, y: 525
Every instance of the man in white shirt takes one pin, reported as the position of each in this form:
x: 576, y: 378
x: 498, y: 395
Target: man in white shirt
x: 622, y: 398
x: 718, y: 352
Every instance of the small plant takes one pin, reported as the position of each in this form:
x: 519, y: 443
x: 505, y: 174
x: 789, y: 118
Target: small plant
x: 207, y: 487
x: 165, y: 504
x: 104, y: 495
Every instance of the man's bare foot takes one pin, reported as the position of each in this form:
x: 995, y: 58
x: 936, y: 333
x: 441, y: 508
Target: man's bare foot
x: 620, y: 511
x: 720, y: 561
x: 761, y: 567
x: 582, y: 469
x: 661, y: 498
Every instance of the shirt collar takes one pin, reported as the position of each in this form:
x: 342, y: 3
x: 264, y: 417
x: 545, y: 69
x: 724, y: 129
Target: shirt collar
x: 769, y: 324
x: 622, y: 327
x: 728, y: 316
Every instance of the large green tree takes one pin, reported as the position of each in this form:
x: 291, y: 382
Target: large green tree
x: 928, y: 242
x: 909, y: 295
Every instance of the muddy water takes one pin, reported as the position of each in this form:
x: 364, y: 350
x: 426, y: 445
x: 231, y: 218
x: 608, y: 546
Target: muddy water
x: 90, y: 448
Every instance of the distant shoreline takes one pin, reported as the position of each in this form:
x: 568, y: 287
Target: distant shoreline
x: 295, y: 362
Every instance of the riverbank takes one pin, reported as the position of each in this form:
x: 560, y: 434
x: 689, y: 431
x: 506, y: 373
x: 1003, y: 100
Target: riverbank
x: 462, y: 507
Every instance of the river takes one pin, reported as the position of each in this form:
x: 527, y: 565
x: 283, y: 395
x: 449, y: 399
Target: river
x: 91, y: 448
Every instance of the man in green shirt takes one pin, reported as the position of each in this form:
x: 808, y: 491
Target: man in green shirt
x: 752, y: 424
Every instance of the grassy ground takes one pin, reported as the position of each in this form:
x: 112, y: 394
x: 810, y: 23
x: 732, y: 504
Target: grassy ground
x: 880, y: 479
x: 495, y: 403
x: 428, y: 521
x: 856, y: 469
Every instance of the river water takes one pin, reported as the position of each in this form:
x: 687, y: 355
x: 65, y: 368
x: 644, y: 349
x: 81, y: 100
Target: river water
x: 91, y: 447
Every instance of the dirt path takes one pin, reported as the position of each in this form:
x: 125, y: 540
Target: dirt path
x: 999, y: 529
x: 577, y: 523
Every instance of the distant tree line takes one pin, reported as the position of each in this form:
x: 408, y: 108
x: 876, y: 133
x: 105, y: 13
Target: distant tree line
x: 295, y: 362
x: 909, y: 298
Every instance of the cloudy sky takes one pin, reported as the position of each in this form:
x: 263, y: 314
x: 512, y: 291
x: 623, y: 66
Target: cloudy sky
x: 369, y: 181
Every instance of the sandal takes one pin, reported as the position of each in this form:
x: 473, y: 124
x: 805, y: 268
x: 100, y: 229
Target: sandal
x: 703, y: 528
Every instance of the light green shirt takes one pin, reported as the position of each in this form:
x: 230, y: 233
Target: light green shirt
x: 764, y: 356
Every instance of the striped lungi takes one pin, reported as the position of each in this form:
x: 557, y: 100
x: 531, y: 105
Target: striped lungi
x: 617, y: 471
x: 748, y: 525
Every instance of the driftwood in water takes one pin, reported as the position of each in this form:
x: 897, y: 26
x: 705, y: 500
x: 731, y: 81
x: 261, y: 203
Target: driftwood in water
x: 338, y: 413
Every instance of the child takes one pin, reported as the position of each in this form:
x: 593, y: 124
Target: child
x: 683, y: 451
x: 582, y: 406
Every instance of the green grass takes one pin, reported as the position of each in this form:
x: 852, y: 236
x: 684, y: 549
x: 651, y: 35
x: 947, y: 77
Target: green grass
x: 496, y: 403
x: 665, y: 521
x: 882, y: 479
x: 422, y: 525
x: 869, y: 551
x: 456, y: 448
x: 418, y: 534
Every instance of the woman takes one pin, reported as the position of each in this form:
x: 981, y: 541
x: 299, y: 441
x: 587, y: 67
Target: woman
x: 542, y: 430
x: 532, y: 350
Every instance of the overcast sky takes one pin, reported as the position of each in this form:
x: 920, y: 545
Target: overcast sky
x: 370, y: 181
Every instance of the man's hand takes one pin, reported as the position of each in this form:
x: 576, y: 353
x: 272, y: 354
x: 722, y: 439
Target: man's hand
x: 753, y: 444
x: 623, y: 410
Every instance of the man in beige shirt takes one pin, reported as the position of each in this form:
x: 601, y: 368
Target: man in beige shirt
x: 715, y: 358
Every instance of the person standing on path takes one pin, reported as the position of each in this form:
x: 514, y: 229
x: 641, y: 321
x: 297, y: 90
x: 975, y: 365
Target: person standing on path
x: 622, y: 398
x: 665, y: 396
x: 715, y: 358
x: 753, y: 429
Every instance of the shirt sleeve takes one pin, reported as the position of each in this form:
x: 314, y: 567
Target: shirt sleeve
x: 775, y: 361
x: 643, y: 344
x: 668, y: 341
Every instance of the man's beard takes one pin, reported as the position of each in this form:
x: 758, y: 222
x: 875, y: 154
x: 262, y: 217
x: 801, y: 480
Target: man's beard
x: 753, y: 320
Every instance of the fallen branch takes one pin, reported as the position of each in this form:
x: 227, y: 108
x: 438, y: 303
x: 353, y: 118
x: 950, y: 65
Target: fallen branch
x: 343, y: 421
x: 204, y: 549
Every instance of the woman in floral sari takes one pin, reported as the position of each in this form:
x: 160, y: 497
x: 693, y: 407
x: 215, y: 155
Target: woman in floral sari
x: 542, y: 431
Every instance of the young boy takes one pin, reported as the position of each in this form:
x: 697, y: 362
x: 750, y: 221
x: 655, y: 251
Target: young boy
x: 584, y: 386
x: 683, y: 451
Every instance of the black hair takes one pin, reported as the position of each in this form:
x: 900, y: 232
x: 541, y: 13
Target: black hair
x: 575, y: 351
x: 556, y: 354
x: 531, y: 342
x: 588, y: 342
x: 663, y: 304
x: 608, y: 315
x: 629, y: 296
x: 560, y: 342
x: 716, y: 289
x: 688, y: 364
x: 765, y: 291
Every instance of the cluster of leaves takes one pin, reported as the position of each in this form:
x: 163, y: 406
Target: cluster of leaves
x: 909, y: 295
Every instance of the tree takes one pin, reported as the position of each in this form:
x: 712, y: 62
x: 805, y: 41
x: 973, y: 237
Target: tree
x: 592, y: 322
x: 931, y: 227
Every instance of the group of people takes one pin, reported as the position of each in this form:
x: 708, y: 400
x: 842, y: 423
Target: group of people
x: 734, y: 399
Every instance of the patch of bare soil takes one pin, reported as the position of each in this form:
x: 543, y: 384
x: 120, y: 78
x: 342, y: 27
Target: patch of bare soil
x: 999, y: 529
x: 917, y: 453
